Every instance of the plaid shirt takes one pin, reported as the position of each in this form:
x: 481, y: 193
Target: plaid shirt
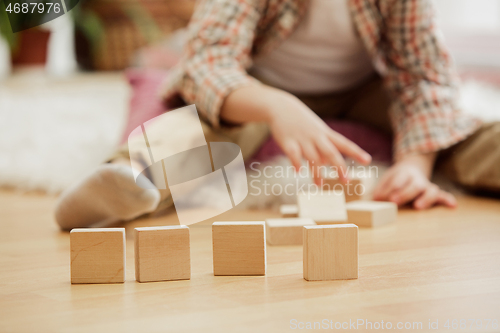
x: 400, y: 36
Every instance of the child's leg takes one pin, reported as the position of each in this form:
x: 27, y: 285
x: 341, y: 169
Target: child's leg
x: 475, y: 162
x: 108, y: 195
x: 111, y: 194
x: 370, y: 105
x: 367, y: 103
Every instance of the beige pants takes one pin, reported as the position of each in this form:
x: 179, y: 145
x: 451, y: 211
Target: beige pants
x: 473, y: 163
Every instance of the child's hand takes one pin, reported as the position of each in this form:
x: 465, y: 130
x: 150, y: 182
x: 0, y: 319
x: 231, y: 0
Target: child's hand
x: 408, y: 181
x: 295, y: 127
x: 302, y: 134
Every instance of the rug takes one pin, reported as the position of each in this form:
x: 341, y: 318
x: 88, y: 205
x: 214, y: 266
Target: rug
x: 53, y: 132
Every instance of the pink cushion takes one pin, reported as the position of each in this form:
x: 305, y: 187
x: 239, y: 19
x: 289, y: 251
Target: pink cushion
x: 490, y: 75
x: 145, y: 103
x: 371, y: 140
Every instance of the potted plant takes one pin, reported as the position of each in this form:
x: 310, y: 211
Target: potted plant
x: 28, y: 46
x: 8, y: 42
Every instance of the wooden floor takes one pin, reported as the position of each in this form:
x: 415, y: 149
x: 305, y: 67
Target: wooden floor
x: 435, y: 265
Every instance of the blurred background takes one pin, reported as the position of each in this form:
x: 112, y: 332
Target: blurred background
x: 72, y: 89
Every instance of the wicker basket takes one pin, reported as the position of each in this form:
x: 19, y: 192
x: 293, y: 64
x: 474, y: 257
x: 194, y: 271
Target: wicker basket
x: 128, y: 25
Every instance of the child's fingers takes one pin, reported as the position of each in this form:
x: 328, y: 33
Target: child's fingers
x: 428, y: 198
x: 381, y: 190
x: 349, y: 148
x: 447, y: 199
x: 407, y: 194
x: 392, y: 183
x: 293, y: 152
x: 311, y: 154
x: 432, y: 196
x: 333, y: 156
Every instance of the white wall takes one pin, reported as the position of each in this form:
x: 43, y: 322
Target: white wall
x: 472, y: 30
x: 469, y: 16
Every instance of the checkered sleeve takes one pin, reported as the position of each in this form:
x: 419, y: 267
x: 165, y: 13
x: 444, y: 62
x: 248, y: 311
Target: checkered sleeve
x: 422, y: 82
x: 216, y: 55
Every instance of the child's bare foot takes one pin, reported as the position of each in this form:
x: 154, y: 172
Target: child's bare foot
x: 108, y: 195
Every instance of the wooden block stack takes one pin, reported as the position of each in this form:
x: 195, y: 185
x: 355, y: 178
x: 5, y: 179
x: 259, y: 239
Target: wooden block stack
x: 289, y: 211
x: 239, y: 248
x: 286, y: 231
x: 330, y: 252
x: 162, y: 254
x: 353, y: 190
x: 371, y: 213
x: 324, y: 207
x: 97, y: 255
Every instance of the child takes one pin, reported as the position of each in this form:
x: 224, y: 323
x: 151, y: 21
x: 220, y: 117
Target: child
x: 287, y: 63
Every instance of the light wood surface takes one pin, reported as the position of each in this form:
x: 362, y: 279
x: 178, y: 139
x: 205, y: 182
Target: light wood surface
x: 438, y: 264
x: 330, y: 252
x: 239, y: 248
x: 162, y: 253
x: 97, y: 255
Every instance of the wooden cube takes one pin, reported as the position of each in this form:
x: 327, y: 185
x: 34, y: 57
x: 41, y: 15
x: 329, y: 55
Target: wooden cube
x: 97, y: 255
x: 324, y: 207
x: 286, y: 231
x: 289, y: 211
x: 239, y: 248
x: 330, y: 252
x: 371, y: 213
x: 353, y: 190
x: 162, y: 253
